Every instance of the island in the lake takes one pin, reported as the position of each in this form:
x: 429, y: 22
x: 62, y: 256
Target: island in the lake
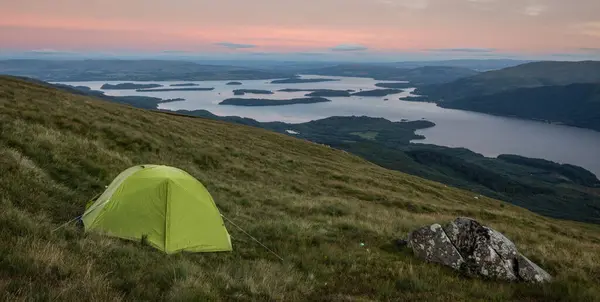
x: 311, y: 90
x: 234, y: 83
x: 321, y: 92
x: 252, y: 91
x: 184, y: 85
x: 301, y: 81
x: 129, y: 86
x: 175, y: 89
x: 267, y: 102
x: 395, y: 85
x: 417, y: 98
x: 377, y: 92
x: 329, y: 93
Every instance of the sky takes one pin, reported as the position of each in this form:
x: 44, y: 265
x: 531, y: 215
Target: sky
x: 438, y: 29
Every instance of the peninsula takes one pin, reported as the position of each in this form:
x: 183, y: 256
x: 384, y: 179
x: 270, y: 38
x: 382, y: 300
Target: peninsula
x: 395, y: 85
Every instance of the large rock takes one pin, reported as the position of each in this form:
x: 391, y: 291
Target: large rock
x: 530, y: 272
x: 432, y: 244
x: 486, y: 252
x: 464, y: 232
x: 466, y: 245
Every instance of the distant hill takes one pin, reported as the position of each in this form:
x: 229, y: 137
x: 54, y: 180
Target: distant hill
x: 523, y: 76
x: 417, y: 76
x: 435, y: 74
x: 576, y: 104
x: 130, y: 70
x: 479, y: 65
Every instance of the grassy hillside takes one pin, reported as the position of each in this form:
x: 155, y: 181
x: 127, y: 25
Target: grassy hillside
x: 550, y: 189
x: 528, y: 75
x: 311, y: 204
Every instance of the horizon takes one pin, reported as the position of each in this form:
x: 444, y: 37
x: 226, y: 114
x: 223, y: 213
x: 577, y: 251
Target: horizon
x: 333, y: 30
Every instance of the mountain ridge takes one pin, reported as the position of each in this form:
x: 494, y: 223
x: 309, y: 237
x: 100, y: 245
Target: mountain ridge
x: 575, y: 105
x: 417, y: 76
x: 529, y: 75
x: 130, y: 70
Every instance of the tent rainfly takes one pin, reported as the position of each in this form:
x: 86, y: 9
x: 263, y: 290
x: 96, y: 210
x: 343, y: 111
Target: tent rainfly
x: 163, y: 206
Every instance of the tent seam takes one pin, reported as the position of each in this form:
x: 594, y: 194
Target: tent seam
x: 167, y: 206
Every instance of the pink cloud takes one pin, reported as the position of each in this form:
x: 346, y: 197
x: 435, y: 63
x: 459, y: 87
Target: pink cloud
x: 291, y: 26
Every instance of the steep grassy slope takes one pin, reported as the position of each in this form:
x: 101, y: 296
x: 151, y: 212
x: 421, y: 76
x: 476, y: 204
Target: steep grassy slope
x: 550, y: 189
x: 311, y: 204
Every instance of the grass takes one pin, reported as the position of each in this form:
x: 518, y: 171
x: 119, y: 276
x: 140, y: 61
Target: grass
x: 370, y: 135
x: 311, y: 204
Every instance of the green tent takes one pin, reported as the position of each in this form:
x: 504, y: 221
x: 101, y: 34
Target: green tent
x: 165, y: 206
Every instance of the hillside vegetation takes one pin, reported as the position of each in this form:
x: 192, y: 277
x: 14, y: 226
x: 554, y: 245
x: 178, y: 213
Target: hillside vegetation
x: 312, y: 204
x: 547, y: 188
x: 576, y: 104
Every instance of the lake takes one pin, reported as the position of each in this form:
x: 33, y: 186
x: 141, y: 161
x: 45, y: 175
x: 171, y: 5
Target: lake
x: 482, y: 133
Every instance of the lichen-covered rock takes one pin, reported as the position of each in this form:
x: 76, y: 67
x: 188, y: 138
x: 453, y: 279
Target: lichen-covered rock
x: 502, y: 245
x: 464, y: 244
x: 486, y: 252
x: 485, y: 261
x: 432, y: 244
x: 530, y: 272
x: 463, y: 232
